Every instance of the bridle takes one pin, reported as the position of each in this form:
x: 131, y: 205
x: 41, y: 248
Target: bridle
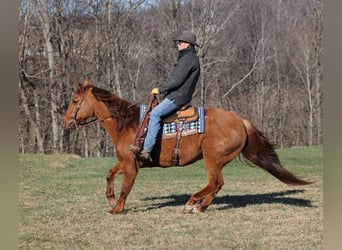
x: 90, y: 120
x: 86, y: 122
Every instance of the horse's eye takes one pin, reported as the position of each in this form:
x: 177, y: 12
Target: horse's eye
x: 74, y: 101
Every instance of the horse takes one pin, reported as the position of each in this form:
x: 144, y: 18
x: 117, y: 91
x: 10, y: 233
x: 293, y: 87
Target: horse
x: 226, y: 136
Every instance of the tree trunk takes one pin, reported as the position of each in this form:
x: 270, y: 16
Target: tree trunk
x: 33, y: 122
x: 318, y: 70
x: 45, y: 24
x: 86, y: 142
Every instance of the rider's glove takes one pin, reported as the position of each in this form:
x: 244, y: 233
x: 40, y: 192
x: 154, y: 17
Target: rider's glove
x: 155, y: 91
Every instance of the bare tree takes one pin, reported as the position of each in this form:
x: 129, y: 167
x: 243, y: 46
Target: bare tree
x: 209, y: 23
x: 307, y: 62
x: 43, y: 16
x: 33, y: 121
x: 259, y: 58
x: 28, y: 90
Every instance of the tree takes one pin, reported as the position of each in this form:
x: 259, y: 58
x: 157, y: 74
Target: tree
x: 261, y: 59
x: 307, y: 62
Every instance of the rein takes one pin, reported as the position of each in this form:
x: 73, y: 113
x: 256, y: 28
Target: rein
x: 94, y: 119
x: 138, y: 101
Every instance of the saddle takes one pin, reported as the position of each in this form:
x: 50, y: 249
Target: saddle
x: 187, y: 113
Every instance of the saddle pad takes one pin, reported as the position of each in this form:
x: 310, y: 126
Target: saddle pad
x: 169, y: 130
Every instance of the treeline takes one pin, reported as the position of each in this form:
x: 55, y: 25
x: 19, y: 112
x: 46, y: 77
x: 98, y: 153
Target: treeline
x: 261, y: 59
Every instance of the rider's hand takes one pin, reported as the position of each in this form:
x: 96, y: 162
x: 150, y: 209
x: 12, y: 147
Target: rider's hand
x: 155, y: 91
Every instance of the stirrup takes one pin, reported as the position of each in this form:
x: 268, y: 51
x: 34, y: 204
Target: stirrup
x: 145, y: 155
x: 134, y: 149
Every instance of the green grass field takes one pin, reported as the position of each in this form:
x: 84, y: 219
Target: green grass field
x: 62, y: 206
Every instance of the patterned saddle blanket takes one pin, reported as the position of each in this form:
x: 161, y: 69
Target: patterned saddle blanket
x: 169, y: 129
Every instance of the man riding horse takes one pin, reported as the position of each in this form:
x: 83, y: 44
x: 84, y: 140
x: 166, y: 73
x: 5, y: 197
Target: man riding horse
x: 177, y: 90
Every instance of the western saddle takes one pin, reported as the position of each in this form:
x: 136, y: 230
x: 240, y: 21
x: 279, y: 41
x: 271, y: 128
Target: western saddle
x: 187, y: 113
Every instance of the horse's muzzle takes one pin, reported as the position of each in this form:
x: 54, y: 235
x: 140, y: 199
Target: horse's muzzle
x: 70, y: 124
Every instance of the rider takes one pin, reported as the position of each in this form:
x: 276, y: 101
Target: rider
x: 177, y: 89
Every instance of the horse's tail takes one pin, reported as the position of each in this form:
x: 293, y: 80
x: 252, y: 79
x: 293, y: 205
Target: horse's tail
x: 261, y: 152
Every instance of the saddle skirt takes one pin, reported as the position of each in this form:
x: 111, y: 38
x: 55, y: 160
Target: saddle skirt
x: 191, y: 118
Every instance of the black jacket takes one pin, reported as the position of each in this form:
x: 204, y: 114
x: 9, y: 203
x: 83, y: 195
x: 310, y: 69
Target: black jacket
x: 181, y: 84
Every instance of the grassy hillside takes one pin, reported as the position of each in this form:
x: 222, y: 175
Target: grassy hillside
x: 62, y: 205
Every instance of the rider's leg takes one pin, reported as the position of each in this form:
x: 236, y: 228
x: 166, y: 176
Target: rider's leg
x: 163, y: 109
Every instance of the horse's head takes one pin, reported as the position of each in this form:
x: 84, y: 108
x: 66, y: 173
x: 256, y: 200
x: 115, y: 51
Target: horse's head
x: 80, y: 107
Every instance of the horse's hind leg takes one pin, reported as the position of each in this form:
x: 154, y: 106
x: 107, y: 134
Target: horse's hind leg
x: 218, y: 183
x: 207, y: 194
x: 214, y: 165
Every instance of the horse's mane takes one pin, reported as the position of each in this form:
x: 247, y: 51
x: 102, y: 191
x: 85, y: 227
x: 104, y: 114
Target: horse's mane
x: 126, y: 115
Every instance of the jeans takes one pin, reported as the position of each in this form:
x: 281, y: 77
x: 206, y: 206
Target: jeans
x: 162, y: 110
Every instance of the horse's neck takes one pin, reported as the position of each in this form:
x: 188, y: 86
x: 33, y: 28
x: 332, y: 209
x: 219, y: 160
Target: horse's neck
x: 101, y: 111
x: 110, y: 124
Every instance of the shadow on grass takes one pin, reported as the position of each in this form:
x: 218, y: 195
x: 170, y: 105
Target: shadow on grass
x: 236, y: 201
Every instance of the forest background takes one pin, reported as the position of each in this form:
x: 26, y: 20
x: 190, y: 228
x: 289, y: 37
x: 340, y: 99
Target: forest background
x: 261, y: 59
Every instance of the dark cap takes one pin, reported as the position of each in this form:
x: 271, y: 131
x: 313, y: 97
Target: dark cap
x: 187, y: 36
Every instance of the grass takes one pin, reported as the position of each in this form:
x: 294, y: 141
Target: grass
x: 62, y: 206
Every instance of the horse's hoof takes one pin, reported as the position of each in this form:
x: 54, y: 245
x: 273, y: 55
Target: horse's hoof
x: 108, y: 213
x: 190, y: 209
x: 195, y: 210
x: 113, y: 204
x: 187, y: 209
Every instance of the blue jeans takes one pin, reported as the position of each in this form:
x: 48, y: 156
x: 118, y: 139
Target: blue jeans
x: 162, y: 110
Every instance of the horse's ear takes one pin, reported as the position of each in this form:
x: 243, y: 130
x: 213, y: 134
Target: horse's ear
x: 80, y: 87
x: 86, y: 83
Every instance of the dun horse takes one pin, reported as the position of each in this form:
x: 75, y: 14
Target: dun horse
x: 226, y: 136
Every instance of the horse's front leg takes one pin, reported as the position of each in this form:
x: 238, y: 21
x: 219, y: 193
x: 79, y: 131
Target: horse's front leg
x: 129, y: 173
x: 112, y: 173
